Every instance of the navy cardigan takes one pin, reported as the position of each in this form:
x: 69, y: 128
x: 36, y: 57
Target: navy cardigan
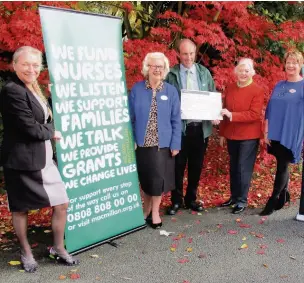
x: 168, y: 114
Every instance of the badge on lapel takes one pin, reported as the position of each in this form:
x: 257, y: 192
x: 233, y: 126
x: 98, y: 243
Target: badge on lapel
x: 164, y: 97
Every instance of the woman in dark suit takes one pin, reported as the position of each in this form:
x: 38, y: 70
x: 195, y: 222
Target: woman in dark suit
x: 156, y: 120
x: 32, y: 180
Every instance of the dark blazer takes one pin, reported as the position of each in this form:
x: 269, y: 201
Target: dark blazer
x: 23, y: 146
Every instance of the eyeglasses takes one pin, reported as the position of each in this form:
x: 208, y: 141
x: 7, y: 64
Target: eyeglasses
x: 155, y: 67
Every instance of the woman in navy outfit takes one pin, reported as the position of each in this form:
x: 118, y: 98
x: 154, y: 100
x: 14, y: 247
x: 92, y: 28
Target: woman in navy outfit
x: 284, y: 130
x: 156, y: 120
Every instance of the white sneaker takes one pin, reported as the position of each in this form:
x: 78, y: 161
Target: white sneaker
x: 300, y: 217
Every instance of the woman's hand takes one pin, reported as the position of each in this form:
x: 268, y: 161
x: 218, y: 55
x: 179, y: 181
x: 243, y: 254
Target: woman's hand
x: 215, y: 122
x: 222, y: 141
x: 57, y: 136
x: 226, y: 112
x: 174, y: 152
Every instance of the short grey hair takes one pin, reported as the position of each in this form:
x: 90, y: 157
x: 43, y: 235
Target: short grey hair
x: 27, y: 49
x: 155, y: 55
x: 248, y: 62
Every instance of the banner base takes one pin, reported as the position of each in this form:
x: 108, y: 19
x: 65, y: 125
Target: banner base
x: 108, y: 240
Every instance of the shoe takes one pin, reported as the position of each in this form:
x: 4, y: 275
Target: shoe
x: 173, y: 209
x: 149, y: 219
x: 66, y: 258
x: 284, y: 197
x: 238, y: 209
x: 29, y: 264
x: 195, y: 206
x: 229, y: 202
x: 156, y: 225
x: 300, y: 217
x: 270, y: 206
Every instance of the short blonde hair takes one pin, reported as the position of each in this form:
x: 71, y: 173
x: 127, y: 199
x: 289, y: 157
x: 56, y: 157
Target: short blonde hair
x: 247, y: 62
x: 294, y: 54
x: 155, y: 55
x: 27, y: 49
x: 35, y: 85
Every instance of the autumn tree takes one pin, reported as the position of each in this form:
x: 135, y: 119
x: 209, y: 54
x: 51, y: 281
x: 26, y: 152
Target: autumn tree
x: 223, y: 32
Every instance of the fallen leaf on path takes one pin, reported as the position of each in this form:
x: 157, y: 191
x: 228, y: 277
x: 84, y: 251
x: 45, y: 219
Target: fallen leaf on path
x: 165, y: 233
x: 94, y: 256
x: 244, y: 239
x: 189, y: 250
x: 199, y: 213
x: 232, y: 232
x: 73, y: 270
x: 75, y: 276
x: 243, y: 225
x: 283, y: 276
x: 186, y: 281
x: 21, y: 270
x: 262, y: 220
x: 126, y: 278
x: 197, y: 221
x: 193, y: 212
x: 47, y: 231
x: 292, y: 257
x: 281, y: 241
x: 219, y: 226
x: 14, y: 262
x: 181, y: 235
x: 173, y: 219
x: 263, y: 247
x: 190, y: 240
x: 265, y: 265
x: 259, y: 235
x: 183, y: 260
x: 244, y: 246
x: 238, y: 220
x: 62, y: 277
x: 202, y: 255
x: 172, y: 249
x: 261, y: 252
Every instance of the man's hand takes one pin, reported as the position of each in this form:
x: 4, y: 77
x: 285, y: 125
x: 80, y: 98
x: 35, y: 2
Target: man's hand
x: 215, y: 122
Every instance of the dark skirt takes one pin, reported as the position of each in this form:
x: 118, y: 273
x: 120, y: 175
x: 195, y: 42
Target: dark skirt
x: 30, y: 190
x: 279, y: 150
x: 155, y: 170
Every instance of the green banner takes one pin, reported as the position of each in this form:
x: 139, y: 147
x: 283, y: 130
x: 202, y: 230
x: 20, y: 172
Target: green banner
x: 96, y: 156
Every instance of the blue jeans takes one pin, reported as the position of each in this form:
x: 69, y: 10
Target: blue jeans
x: 242, y: 155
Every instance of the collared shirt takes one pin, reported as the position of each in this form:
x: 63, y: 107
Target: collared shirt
x: 193, y: 78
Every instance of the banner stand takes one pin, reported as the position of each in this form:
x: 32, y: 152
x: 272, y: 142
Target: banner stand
x: 109, y: 241
x: 96, y: 155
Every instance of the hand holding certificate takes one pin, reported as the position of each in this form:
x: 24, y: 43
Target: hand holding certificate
x: 201, y: 105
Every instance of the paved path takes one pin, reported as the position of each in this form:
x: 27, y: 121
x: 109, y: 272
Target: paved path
x: 213, y: 254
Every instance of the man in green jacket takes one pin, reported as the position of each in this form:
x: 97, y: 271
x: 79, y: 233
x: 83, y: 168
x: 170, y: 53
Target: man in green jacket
x: 195, y: 133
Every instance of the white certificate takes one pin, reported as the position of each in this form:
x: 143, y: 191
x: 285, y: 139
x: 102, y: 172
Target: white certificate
x: 201, y: 105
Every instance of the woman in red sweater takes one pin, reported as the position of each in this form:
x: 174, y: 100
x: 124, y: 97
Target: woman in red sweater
x: 241, y: 128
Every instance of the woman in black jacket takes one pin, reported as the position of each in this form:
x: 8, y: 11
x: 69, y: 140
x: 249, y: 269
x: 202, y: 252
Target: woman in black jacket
x: 31, y: 177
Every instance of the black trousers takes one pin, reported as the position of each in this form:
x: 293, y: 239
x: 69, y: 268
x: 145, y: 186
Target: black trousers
x: 242, y: 155
x: 193, y: 150
x: 301, y: 210
x: 283, y: 156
